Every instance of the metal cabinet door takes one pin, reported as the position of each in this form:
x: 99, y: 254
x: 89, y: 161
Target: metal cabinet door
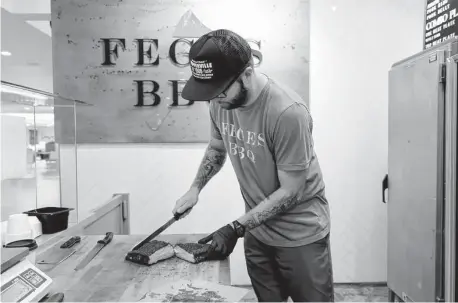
x: 415, y: 170
x: 450, y: 198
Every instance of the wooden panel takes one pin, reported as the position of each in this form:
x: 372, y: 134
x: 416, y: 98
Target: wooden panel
x: 122, y: 113
x: 109, y: 222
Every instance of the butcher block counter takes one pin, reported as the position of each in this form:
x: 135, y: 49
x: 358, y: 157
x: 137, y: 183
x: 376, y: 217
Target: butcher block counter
x: 109, y: 277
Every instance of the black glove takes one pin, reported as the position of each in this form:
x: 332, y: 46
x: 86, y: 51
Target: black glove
x: 223, y: 243
x: 205, y: 255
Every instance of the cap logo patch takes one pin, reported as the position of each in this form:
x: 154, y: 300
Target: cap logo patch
x: 202, y: 69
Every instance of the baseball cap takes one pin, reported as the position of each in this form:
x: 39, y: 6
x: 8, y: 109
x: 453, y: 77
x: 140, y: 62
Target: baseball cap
x: 216, y: 59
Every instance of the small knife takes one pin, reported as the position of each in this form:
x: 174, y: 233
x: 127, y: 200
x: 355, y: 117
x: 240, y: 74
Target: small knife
x: 97, y: 248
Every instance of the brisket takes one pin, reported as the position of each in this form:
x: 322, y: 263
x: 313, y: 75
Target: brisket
x: 156, y: 251
x: 191, y: 252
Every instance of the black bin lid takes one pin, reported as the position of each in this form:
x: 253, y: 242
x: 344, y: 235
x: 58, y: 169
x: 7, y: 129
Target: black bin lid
x: 29, y: 243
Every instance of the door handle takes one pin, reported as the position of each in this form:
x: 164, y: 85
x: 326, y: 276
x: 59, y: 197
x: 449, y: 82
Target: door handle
x: 384, y: 187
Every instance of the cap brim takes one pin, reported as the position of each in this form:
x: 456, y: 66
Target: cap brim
x: 197, y: 90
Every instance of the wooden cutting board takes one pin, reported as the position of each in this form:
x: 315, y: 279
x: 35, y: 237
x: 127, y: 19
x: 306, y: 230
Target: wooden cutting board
x: 110, y: 278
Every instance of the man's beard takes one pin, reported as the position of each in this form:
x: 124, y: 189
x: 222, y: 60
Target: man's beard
x: 239, y: 100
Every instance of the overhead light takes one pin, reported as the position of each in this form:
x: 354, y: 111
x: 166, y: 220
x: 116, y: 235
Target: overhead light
x: 27, y: 108
x: 6, y: 53
x: 334, y: 8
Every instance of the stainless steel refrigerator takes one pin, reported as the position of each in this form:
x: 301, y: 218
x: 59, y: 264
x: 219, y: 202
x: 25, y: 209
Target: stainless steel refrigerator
x: 420, y: 187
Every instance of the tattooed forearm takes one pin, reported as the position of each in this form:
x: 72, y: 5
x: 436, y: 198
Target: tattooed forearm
x: 279, y: 202
x: 211, y: 164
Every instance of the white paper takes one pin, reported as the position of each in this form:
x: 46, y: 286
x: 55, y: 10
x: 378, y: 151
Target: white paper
x: 194, y: 291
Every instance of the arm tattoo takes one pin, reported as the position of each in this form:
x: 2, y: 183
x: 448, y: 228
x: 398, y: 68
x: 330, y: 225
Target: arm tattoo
x: 275, y: 204
x: 211, y: 164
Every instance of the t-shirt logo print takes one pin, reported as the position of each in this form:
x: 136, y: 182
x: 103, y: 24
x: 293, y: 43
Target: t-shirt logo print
x: 202, y: 69
x: 246, y: 141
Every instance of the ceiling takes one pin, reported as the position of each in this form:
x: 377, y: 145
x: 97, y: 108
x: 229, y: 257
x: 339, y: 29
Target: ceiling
x: 30, y: 44
x: 30, y: 63
x: 35, y: 12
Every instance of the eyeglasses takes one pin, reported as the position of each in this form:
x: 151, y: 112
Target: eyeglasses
x: 224, y: 93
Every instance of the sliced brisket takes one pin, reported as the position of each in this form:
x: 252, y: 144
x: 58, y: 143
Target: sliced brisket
x: 156, y: 251
x: 191, y: 252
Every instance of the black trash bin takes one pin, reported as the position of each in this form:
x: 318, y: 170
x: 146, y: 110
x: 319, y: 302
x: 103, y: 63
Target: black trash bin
x: 53, y: 219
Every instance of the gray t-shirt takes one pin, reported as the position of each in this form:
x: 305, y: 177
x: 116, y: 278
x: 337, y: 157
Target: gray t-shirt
x: 275, y: 132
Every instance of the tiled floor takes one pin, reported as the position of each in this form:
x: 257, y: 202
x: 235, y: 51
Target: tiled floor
x: 361, y: 293
x: 347, y: 293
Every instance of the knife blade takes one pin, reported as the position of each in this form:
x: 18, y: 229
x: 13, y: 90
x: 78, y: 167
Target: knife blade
x: 158, y: 231
x: 97, y: 248
x: 61, y: 257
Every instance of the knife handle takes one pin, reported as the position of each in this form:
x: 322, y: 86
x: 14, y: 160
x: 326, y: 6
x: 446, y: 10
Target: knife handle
x: 107, y: 239
x: 58, y: 297
x: 177, y: 215
x: 70, y: 242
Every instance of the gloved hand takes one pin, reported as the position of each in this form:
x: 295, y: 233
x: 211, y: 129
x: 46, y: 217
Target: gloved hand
x: 203, y: 255
x: 223, y: 243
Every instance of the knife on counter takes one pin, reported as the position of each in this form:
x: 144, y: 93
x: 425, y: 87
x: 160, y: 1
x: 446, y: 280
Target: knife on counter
x: 97, y: 248
x: 57, y: 256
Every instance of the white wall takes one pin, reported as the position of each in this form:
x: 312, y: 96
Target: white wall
x: 13, y: 147
x: 24, y: 185
x: 46, y: 133
x: 352, y: 49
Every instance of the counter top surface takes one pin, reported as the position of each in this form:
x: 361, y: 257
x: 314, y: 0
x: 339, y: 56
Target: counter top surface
x: 109, y: 277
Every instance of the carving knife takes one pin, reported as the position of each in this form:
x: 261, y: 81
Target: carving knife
x: 158, y: 231
x: 97, y: 248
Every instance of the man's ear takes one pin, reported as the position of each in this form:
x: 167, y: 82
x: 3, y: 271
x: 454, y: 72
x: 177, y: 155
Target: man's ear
x: 248, y: 72
x: 247, y: 75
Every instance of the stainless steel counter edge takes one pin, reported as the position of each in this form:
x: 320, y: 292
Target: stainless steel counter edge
x: 98, y: 222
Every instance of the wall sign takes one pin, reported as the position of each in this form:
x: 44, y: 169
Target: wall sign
x: 113, y: 46
x: 441, y: 21
x: 130, y: 59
